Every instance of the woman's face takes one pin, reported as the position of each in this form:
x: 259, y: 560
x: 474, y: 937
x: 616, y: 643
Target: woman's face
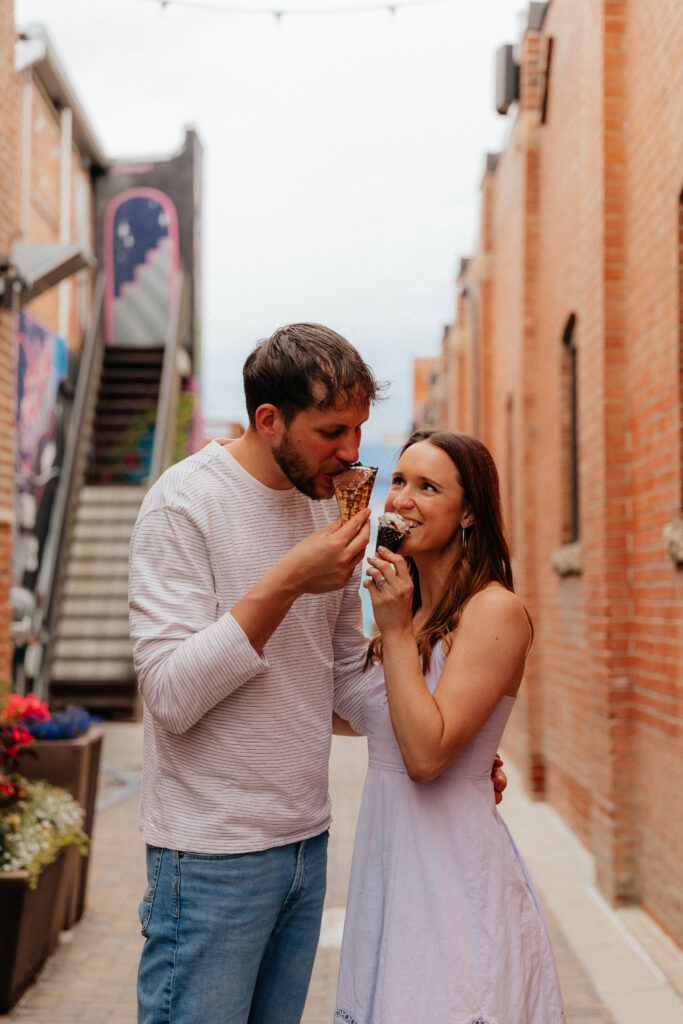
x: 426, y: 490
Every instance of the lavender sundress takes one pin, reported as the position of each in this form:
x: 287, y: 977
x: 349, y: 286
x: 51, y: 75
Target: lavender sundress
x: 443, y: 925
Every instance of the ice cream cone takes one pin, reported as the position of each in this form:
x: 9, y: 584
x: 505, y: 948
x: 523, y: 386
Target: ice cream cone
x: 391, y: 530
x: 353, y: 488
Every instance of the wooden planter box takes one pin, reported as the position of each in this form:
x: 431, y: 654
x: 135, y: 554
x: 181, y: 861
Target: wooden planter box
x: 30, y: 922
x: 74, y: 766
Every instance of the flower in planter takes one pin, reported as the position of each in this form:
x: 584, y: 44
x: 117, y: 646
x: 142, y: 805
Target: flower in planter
x: 28, y: 710
x: 42, y: 820
x: 17, y: 715
x: 63, y: 725
x: 36, y: 818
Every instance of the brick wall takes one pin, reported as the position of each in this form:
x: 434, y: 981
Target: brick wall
x: 44, y: 206
x: 8, y: 155
x: 653, y: 153
x: 579, y: 235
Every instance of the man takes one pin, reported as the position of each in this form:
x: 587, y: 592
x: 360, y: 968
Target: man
x: 247, y: 635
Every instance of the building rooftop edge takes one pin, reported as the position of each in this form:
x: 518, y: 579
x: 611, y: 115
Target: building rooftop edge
x: 34, y: 50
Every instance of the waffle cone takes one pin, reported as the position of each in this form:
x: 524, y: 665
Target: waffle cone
x: 353, y: 488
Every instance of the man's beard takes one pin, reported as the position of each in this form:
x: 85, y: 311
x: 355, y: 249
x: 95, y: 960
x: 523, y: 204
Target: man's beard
x: 297, y: 471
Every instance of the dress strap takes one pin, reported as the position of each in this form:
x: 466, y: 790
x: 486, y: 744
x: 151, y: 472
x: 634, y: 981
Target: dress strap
x: 531, y: 632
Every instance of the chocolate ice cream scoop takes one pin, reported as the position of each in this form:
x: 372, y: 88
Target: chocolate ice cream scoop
x: 352, y: 489
x: 392, y: 528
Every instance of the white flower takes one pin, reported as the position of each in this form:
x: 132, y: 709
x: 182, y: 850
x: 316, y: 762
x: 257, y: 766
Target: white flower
x: 36, y: 827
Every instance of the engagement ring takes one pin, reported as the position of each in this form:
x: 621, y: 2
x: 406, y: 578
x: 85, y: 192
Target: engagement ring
x: 380, y: 580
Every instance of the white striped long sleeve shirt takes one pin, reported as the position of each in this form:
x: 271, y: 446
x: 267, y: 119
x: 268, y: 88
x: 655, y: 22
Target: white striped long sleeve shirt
x: 236, y: 745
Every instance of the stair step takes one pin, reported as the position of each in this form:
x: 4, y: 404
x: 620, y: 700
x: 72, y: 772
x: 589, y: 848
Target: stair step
x: 110, y: 475
x: 124, y: 414
x: 95, y: 588
x: 124, y: 455
x: 121, y: 420
x: 100, y: 550
x: 104, y: 495
x: 128, y: 425
x: 123, y: 512
x: 92, y: 649
x: 125, y: 437
x: 103, y: 695
x: 111, y: 427
x: 140, y: 403
x: 124, y: 386
x: 95, y: 607
x: 80, y: 628
x: 103, y: 671
x: 96, y: 567
x: 99, y: 530
x: 132, y: 353
x: 96, y: 522
x: 125, y: 458
x: 124, y: 471
x: 140, y: 373
x: 116, y: 420
x: 126, y: 404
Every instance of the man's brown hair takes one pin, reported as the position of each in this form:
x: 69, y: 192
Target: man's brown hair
x: 283, y: 370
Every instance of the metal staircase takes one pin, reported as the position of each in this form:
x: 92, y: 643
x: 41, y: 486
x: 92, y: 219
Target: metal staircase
x: 91, y: 656
x: 92, y: 661
x: 119, y: 442
x: 125, y: 416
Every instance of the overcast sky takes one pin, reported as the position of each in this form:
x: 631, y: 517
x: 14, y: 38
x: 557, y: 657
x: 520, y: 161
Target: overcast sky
x: 343, y: 157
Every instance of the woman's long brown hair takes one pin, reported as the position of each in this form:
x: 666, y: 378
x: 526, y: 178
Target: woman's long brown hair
x: 485, y: 558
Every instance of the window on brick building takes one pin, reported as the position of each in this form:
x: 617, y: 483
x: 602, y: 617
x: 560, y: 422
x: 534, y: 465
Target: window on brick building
x: 509, y: 494
x: 546, y: 89
x: 569, y: 429
x: 473, y: 314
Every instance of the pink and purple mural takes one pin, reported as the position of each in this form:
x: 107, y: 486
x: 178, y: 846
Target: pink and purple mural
x: 141, y: 260
x: 42, y: 364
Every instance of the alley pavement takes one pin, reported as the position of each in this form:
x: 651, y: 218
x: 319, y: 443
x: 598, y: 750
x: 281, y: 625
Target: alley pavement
x: 615, y: 967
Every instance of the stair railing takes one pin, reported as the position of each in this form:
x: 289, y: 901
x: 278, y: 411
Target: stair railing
x: 66, y: 496
x: 169, y: 384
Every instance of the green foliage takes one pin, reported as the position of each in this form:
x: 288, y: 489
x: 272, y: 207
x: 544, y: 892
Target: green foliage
x: 37, y: 826
x: 185, y: 410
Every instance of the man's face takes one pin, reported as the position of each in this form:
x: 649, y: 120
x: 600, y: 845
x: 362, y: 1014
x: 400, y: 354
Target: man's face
x: 319, y: 443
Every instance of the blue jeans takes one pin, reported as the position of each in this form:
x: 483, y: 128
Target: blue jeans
x: 230, y: 938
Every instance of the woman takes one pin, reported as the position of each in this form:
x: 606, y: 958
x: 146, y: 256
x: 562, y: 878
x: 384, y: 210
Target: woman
x: 442, y: 923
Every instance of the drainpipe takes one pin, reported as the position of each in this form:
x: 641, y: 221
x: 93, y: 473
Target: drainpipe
x: 26, y: 122
x: 65, y: 216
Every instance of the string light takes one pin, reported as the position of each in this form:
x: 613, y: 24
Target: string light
x: 280, y: 13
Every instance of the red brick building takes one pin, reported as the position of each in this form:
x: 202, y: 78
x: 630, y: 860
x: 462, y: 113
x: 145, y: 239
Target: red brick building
x: 566, y: 358
x: 9, y: 125
x: 100, y: 331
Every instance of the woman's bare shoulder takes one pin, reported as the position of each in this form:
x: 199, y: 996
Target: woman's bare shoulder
x: 499, y: 607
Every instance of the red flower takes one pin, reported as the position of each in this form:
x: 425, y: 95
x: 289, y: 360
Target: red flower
x: 21, y: 736
x: 35, y: 710
x: 13, y: 708
x: 29, y: 709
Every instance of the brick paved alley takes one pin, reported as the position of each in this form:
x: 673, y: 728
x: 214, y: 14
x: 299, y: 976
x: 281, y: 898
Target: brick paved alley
x: 91, y: 976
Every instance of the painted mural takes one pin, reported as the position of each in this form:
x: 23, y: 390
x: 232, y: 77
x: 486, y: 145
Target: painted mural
x: 42, y: 366
x: 141, y: 260
x: 197, y: 251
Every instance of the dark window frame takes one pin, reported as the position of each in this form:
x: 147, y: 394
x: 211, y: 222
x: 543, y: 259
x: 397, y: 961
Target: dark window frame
x: 571, y: 401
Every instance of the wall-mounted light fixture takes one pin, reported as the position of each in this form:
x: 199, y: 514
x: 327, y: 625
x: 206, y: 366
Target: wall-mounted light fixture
x: 11, y: 282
